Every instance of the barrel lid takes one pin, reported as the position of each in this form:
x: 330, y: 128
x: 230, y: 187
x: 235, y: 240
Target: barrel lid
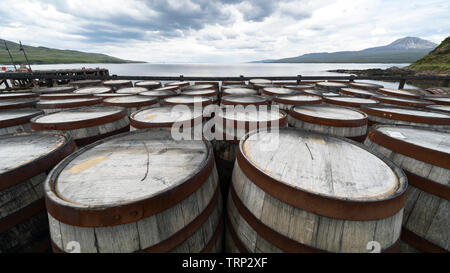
x: 330, y: 94
x: 61, y: 96
x: 181, y: 84
x: 17, y: 95
x: 201, y: 87
x: 56, y: 89
x: 188, y: 100
x: 131, y: 101
x: 244, y: 100
x: 443, y: 108
x: 116, y: 82
x: 331, y: 84
x: 349, y: 101
x: 163, y: 116
x: 312, y: 92
x: 68, y: 103
x: 127, y: 177
x: 235, y: 86
x: 78, y: 118
x: 329, y: 115
x: 15, y: 117
x: 403, y: 101
x: 93, y: 90
x: 26, y: 155
x: 297, y: 99
x: 17, y: 103
x: 424, y: 144
x: 273, y: 91
x: 131, y: 90
x: 407, y: 114
x: 200, y: 92
x: 240, y: 91
x: 172, y: 88
x: 148, y: 83
x: 365, y: 85
x: 439, y: 100
x: 398, y: 92
x: 260, y: 81
x: 299, y: 86
x: 159, y: 93
x: 110, y: 95
x: 357, y: 92
x: 258, y: 114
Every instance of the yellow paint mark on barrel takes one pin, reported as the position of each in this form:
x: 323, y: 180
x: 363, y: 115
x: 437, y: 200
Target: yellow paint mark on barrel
x: 150, y: 117
x: 317, y: 140
x: 87, y: 164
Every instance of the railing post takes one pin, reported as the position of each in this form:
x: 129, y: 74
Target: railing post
x: 181, y: 78
x: 352, y: 78
x: 401, y: 85
x: 242, y: 78
x: 299, y: 79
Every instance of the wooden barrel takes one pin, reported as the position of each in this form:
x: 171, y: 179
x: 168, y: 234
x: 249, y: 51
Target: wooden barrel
x: 132, y: 103
x: 285, y: 102
x: 131, y: 90
x: 331, y: 86
x: 51, y: 106
x: 300, y: 191
x: 203, y: 86
x: 403, y: 101
x: 396, y: 115
x: 330, y: 120
x: 181, y: 85
x: 314, y: 92
x: 137, y: 192
x: 243, y: 100
x: 214, y: 84
x: 86, y: 124
x: 160, y: 94
x: 18, y: 104
x: 441, y: 108
x: 438, y: 100
x: 359, y: 93
x: 118, y: 84
x: 188, y: 100
x: 64, y: 96
x: 230, y: 126
x: 281, y: 83
x: 424, y: 155
x: 53, y: 90
x: 25, y: 159
x: 399, y: 93
x: 253, y: 82
x: 348, y: 101
x: 239, y: 92
x: 17, y: 120
x: 169, y: 88
x: 208, y: 93
x: 149, y: 85
x: 299, y: 87
x: 17, y: 95
x: 271, y: 92
x: 85, y: 83
x: 365, y: 86
x: 223, y: 87
x: 110, y: 95
x: 94, y: 90
x: 260, y: 86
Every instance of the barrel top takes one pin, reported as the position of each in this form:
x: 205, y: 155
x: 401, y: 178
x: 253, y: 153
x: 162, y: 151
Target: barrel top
x: 260, y: 81
x: 158, y: 93
x: 16, y: 95
x: 64, y: 96
x: 21, y: 149
x: 167, y: 114
x: 186, y: 99
x: 111, y: 95
x: 201, y: 92
x: 279, y: 90
x: 229, y: 86
x: 330, y: 94
x: 173, y: 88
x: 4, y: 103
x: 56, y: 89
x: 201, y: 87
x: 244, y: 99
x: 320, y: 164
x: 114, y: 82
x: 93, y: 90
x: 129, y: 168
x: 408, y: 111
x: 298, y: 98
x: 184, y: 83
x: 240, y: 91
x: 353, y: 100
x: 131, y: 90
x: 328, y: 112
x: 148, y: 83
x: 130, y: 99
x: 9, y: 115
x: 430, y: 139
x: 445, y: 108
x: 358, y: 91
x: 331, y: 84
x: 365, y: 84
x: 68, y: 101
x: 78, y: 114
x: 402, y: 99
x: 439, y: 99
x: 299, y: 86
x: 398, y: 92
x: 259, y: 114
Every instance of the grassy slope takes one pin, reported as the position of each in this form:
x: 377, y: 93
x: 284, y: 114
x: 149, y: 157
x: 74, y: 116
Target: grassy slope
x: 438, y: 59
x: 43, y: 55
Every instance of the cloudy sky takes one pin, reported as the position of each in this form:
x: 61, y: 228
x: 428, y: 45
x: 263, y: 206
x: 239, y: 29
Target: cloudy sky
x: 179, y: 31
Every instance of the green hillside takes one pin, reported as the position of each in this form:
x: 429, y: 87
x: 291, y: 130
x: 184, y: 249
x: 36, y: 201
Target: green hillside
x: 44, y: 55
x: 436, y: 60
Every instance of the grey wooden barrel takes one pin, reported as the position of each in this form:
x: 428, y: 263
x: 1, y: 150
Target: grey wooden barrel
x: 25, y: 159
x: 64, y: 96
x: 281, y: 83
x: 438, y: 100
x: 365, y: 86
x: 214, y: 84
x: 110, y: 95
x: 260, y: 86
x: 243, y: 100
x: 352, y: 102
x: 300, y: 191
x: 441, y: 108
x: 131, y: 90
x: 253, y: 82
x: 118, y: 84
x: 85, y: 124
x: 160, y: 94
x: 424, y: 155
x: 271, y: 92
x: 17, y: 120
x: 169, y: 88
x: 402, y: 101
x: 207, y: 93
x: 136, y: 192
x: 203, y: 86
x: 188, y: 100
x: 314, y: 92
x: 181, y: 85
x: 85, y: 83
x: 399, y: 93
x: 18, y: 104
x: 231, y: 125
x: 299, y: 87
x: 132, y: 103
x: 53, y: 90
x: 397, y: 115
x: 331, y: 120
x: 149, y: 85
x: 239, y: 91
x: 285, y: 102
x: 439, y: 90
x: 359, y: 93
x: 17, y: 95
x: 50, y: 106
x: 331, y: 86
x: 94, y: 90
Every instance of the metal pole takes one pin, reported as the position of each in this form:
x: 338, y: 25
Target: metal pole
x: 26, y: 58
x: 10, y: 56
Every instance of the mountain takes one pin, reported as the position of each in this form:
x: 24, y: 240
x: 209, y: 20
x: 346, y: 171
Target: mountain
x: 437, y: 60
x: 44, y: 55
x: 404, y: 50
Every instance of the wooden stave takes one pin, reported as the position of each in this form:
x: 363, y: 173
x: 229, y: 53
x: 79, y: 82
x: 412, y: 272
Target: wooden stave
x: 365, y: 86
x: 347, y: 92
x: 52, y: 90
x: 391, y: 92
x: 138, y: 124
x: 20, y: 121
x: 150, y: 85
x: 21, y: 104
x: 408, y: 103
